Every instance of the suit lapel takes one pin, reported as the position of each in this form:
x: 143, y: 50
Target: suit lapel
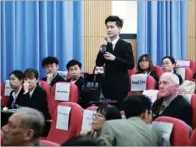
x: 117, y: 46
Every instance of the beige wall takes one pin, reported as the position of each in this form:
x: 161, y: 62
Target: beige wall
x: 191, y: 49
x: 95, y: 13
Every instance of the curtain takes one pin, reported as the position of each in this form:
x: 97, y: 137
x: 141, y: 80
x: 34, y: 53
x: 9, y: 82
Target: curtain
x: 162, y: 29
x: 33, y: 30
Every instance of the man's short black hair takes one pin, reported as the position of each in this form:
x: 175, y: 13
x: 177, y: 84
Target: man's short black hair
x: 119, y: 22
x: 31, y: 73
x: 72, y: 63
x: 50, y: 60
x: 19, y: 74
x: 136, y: 104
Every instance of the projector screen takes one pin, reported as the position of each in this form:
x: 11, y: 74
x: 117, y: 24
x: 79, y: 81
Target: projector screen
x: 127, y: 10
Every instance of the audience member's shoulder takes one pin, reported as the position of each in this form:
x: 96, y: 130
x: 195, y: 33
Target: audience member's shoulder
x: 40, y: 89
x: 60, y: 78
x: 44, y: 79
x: 182, y: 100
x: 124, y: 42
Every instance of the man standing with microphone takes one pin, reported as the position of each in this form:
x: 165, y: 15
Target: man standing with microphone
x: 117, y: 55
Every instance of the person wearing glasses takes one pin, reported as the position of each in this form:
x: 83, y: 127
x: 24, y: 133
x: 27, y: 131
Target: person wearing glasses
x: 51, y: 65
x: 168, y: 65
x: 136, y: 130
x: 105, y: 112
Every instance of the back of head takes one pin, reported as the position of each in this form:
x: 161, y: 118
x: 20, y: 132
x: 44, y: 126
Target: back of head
x: 109, y: 111
x: 82, y: 141
x: 136, y: 104
x: 32, y: 119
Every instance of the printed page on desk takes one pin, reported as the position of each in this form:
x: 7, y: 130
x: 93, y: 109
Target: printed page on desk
x: 62, y: 91
x: 63, y: 113
x: 88, y: 116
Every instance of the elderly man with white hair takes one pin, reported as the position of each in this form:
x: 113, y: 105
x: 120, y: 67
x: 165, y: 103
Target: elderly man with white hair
x: 170, y: 103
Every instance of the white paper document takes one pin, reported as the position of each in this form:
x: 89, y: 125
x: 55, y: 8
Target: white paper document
x: 88, y: 116
x: 181, y: 71
x: 8, y: 88
x: 165, y: 130
x: 152, y: 94
x: 138, y: 82
x: 63, y: 113
x: 182, y: 63
x: 62, y: 91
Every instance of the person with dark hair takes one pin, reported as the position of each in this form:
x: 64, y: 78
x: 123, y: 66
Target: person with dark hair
x: 74, y: 70
x: 145, y: 66
x: 98, y: 70
x: 23, y: 128
x: 81, y: 141
x: 51, y: 65
x: 105, y: 112
x: 117, y: 55
x: 34, y: 93
x: 16, y: 96
x: 136, y: 130
x: 168, y: 65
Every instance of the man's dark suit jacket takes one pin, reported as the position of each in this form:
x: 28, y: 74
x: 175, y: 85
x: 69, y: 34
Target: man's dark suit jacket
x: 116, y: 85
x: 178, y: 108
x: 79, y: 83
x: 56, y: 79
x: 38, y: 101
x: 20, y: 100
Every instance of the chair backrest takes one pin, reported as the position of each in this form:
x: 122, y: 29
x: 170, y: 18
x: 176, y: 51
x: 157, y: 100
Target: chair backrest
x: 192, y: 64
x: 75, y: 123
x: 180, y: 131
x: 44, y: 85
x: 92, y: 108
x: 158, y: 70
x: 188, y: 73
x: 4, y: 99
x: 48, y: 143
x: 192, y: 141
x: 132, y: 71
x: 73, y: 95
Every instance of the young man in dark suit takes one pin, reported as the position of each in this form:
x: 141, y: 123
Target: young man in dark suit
x: 171, y: 104
x: 74, y: 69
x: 118, y: 58
x: 51, y: 65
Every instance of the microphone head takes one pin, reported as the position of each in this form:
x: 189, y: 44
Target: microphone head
x: 106, y: 39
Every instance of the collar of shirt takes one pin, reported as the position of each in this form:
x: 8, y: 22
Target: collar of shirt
x: 114, y: 42
x: 168, y: 101
x: 16, y: 94
x: 31, y: 92
x: 54, y: 77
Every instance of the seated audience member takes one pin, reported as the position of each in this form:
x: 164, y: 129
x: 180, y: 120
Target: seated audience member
x: 136, y: 130
x: 24, y: 128
x: 170, y: 103
x: 51, y: 65
x: 82, y: 141
x: 105, y: 112
x: 145, y: 66
x: 98, y: 70
x: 34, y: 93
x: 16, y: 97
x: 74, y: 69
x: 168, y: 65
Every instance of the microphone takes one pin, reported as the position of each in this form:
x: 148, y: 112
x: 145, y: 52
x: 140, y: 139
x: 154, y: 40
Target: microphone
x: 103, y: 46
